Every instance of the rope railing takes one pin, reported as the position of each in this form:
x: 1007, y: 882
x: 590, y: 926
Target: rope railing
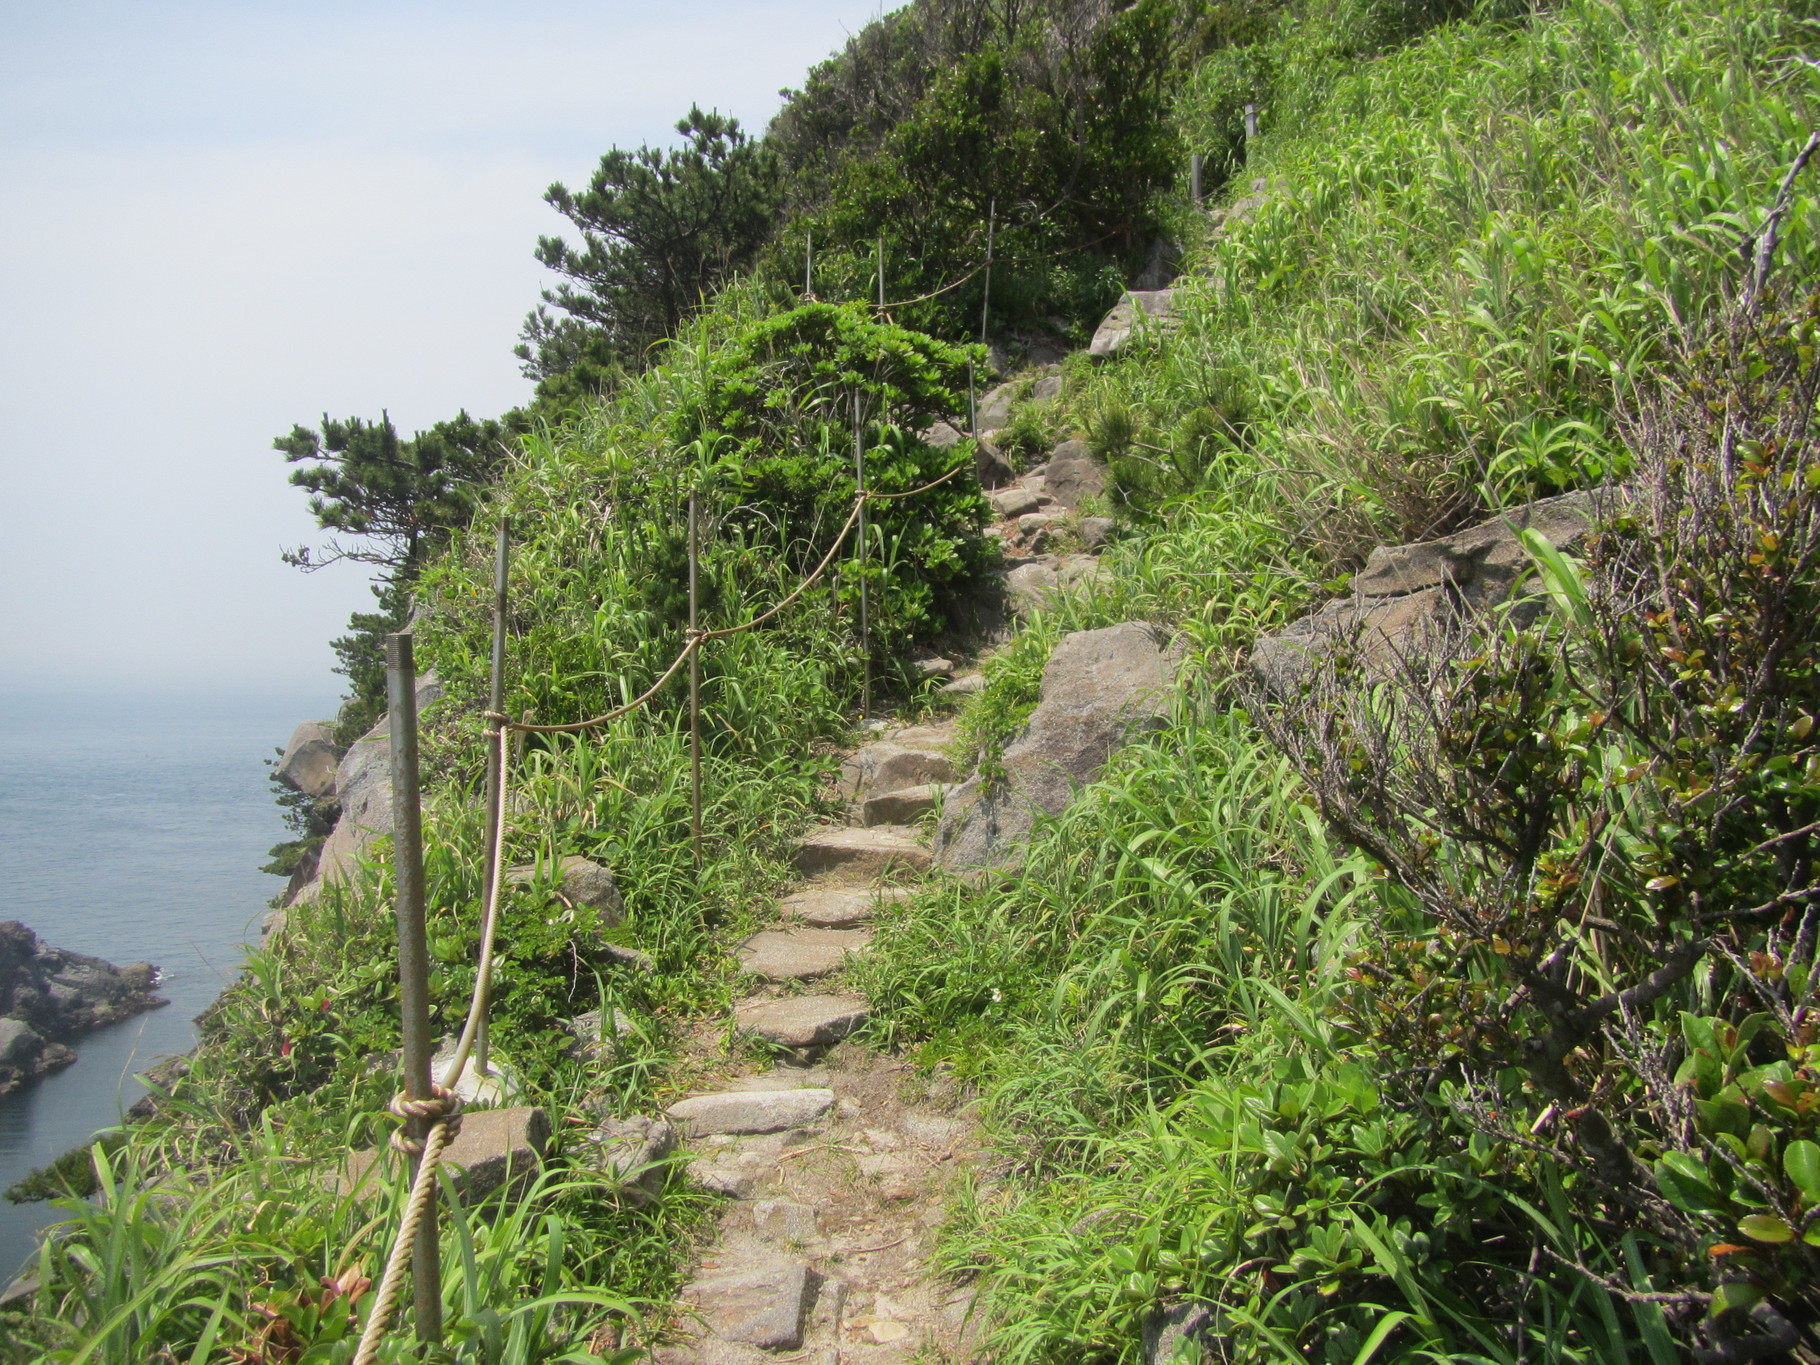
x: 442, y: 1107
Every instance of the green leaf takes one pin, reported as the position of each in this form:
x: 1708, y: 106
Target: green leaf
x: 1766, y: 1227
x: 1561, y: 577
x: 1686, y: 1183
x: 1734, y: 1294
x: 1801, y: 1160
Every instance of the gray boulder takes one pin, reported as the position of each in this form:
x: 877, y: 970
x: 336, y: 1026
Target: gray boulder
x: 1046, y: 389
x: 994, y: 408
x: 1098, y: 687
x: 582, y: 882
x: 1096, y: 531
x: 634, y: 1154
x: 943, y: 436
x: 990, y: 464
x: 310, y: 760
x: 1180, y: 1334
x: 1140, y: 311
x: 1407, y: 592
x: 1073, y: 475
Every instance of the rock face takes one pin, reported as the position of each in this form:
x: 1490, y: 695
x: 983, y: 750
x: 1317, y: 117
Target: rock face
x: 310, y: 759
x: 1406, y: 591
x: 1139, y: 310
x: 48, y: 995
x: 766, y: 1307
x: 1073, y: 475
x: 1099, y: 685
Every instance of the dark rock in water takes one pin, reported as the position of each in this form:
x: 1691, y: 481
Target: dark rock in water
x: 48, y: 995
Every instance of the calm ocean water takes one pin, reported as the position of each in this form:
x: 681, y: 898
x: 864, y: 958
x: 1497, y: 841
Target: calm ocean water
x: 132, y: 828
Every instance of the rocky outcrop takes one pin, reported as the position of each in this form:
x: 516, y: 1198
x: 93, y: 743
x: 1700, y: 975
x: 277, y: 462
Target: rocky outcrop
x: 1406, y: 592
x: 1140, y: 311
x: 363, y: 790
x: 49, y: 995
x: 1098, y: 687
x: 1073, y: 475
x: 310, y: 760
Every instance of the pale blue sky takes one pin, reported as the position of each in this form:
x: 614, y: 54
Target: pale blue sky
x: 218, y: 219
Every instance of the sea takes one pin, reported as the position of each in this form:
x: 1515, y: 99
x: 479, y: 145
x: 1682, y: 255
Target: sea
x: 132, y: 828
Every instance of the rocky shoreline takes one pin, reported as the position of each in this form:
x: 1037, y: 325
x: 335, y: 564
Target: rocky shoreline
x: 49, y: 996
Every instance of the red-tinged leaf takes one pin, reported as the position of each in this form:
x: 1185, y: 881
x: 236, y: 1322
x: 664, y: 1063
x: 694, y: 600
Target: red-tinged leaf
x: 1724, y: 1248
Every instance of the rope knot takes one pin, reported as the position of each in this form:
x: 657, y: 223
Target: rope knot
x: 443, y: 1105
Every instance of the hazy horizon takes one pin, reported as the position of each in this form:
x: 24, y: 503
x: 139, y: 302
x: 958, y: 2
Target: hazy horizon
x: 223, y: 219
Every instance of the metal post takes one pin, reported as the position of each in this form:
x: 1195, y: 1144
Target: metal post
x: 865, y: 642
x: 881, y: 272
x: 694, y: 693
x: 986, y: 298
x: 809, y: 264
x: 413, y: 956
x: 1194, y: 179
x: 973, y: 410
x: 496, y: 688
x: 1251, y: 125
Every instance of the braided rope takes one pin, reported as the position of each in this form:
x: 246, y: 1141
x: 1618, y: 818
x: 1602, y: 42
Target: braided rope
x: 391, y: 1284
x: 443, y: 1105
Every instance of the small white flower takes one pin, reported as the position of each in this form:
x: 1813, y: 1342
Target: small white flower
x: 996, y: 997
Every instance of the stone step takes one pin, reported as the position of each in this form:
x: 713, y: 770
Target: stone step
x: 800, y: 954
x: 750, y: 1111
x: 891, y: 765
x: 493, y: 1146
x: 861, y: 854
x: 766, y: 1306
x: 841, y: 909
x: 902, y: 807
x: 803, y: 1021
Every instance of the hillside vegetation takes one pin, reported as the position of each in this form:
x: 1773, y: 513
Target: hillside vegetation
x: 1464, y: 1021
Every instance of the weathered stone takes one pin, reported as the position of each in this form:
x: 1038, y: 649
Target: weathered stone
x: 966, y: 685
x: 582, y: 881
x: 634, y: 1153
x: 931, y: 738
x: 840, y: 909
x: 1159, y: 266
x: 1178, y: 1334
x: 495, y: 1087
x: 1140, y: 311
x: 1098, y: 686
x: 860, y: 853
x: 805, y: 1021
x: 764, y: 1307
x: 932, y: 667
x: 783, y: 1220
x: 1096, y: 531
x: 1073, y: 475
x: 1013, y: 501
x: 310, y: 760
x: 903, y: 807
x: 891, y: 765
x: 493, y: 1146
x: 1032, y: 522
x: 990, y: 464
x: 1029, y: 587
x: 1047, y: 388
x: 943, y: 436
x: 799, y: 954
x: 750, y: 1111
x: 1405, y: 592
x: 994, y: 409
x: 737, y: 1167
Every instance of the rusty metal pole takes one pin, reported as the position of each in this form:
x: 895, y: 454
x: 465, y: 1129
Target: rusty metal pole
x: 1251, y: 127
x: 496, y: 688
x: 1194, y: 179
x: 986, y: 296
x: 865, y: 642
x: 809, y: 265
x: 413, y: 956
x: 881, y: 274
x: 694, y: 690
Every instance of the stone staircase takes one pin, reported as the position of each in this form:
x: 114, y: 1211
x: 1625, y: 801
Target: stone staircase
x: 835, y: 1159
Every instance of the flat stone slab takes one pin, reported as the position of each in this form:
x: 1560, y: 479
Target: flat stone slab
x: 967, y: 685
x: 799, y: 954
x: 751, y: 1111
x: 766, y: 1306
x: 892, y: 764
x: 494, y: 1145
x: 784, y: 1220
x: 861, y: 852
x: 902, y: 807
x: 841, y: 909
x: 805, y: 1020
